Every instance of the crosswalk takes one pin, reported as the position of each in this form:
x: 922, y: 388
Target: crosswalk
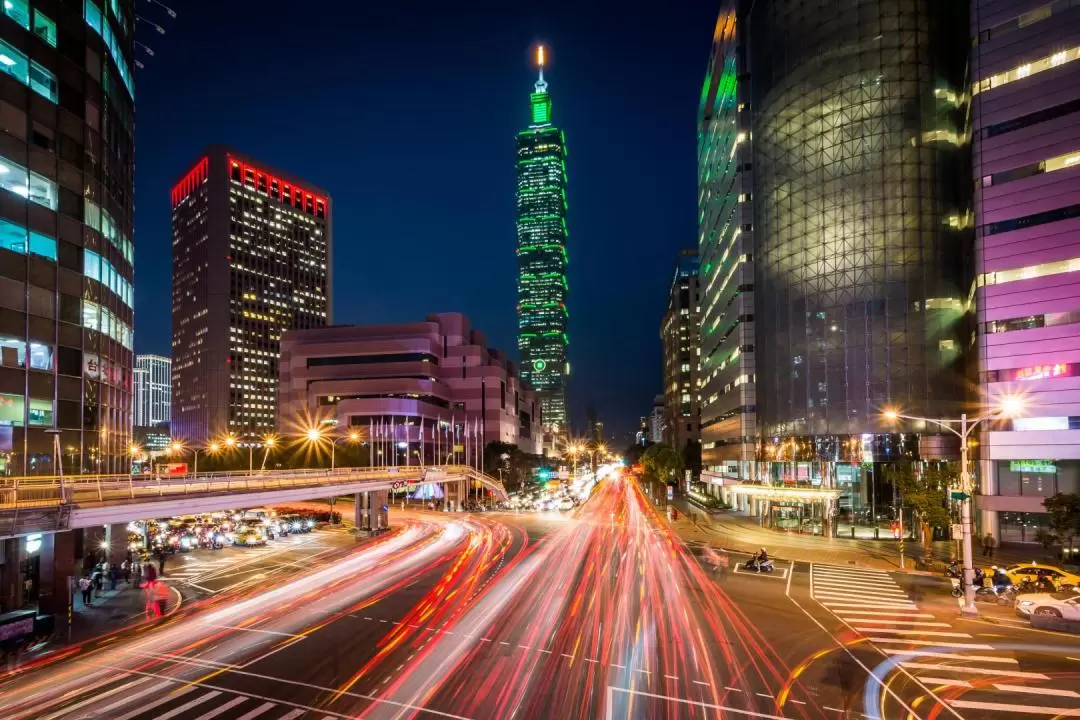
x: 966, y: 673
x: 186, y: 567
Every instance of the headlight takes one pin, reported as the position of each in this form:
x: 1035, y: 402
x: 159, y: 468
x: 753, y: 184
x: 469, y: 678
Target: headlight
x: 311, y: 523
x: 295, y: 526
x: 251, y: 541
x: 1025, y: 603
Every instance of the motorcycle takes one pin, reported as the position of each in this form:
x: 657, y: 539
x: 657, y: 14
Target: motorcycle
x: 1000, y: 594
x: 759, y: 566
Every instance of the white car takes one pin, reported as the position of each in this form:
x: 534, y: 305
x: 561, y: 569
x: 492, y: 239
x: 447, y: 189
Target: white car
x: 1065, y: 604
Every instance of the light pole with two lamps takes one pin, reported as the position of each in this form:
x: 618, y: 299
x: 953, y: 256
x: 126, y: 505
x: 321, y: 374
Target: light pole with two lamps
x: 315, y: 435
x: 1010, y: 406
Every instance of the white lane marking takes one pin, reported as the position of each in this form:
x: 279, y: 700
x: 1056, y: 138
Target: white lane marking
x: 1026, y: 709
x: 945, y: 681
x: 896, y: 622
x: 868, y: 588
x: 920, y: 633
x: 880, y: 606
x: 728, y: 687
x: 257, y: 711
x: 853, y: 595
x: 826, y: 568
x: 901, y: 613
x: 289, y: 715
x: 254, y: 630
x: 1038, y: 690
x: 975, y: 670
x: 951, y: 656
x: 935, y: 643
x: 695, y: 703
x: 187, y: 706
x: 169, y: 697
x: 68, y: 709
x: 104, y: 711
x: 698, y: 682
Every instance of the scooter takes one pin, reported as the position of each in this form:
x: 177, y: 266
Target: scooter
x: 753, y: 564
x: 1000, y: 594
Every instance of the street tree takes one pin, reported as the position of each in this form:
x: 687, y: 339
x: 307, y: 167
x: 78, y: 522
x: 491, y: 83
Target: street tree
x: 925, y: 493
x: 1064, y: 510
x: 662, y: 462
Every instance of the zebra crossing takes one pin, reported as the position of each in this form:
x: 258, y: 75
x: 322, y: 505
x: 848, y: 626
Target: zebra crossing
x: 187, y: 567
x: 966, y: 673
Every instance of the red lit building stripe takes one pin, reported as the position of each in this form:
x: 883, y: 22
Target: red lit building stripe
x: 277, y: 188
x: 192, y: 180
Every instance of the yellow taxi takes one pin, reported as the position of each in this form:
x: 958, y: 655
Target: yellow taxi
x: 1030, y: 571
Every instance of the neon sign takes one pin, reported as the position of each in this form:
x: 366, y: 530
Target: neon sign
x: 1043, y: 372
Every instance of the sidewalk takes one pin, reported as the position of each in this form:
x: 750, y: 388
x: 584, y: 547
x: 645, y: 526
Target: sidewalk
x: 738, y: 532
x: 113, y: 610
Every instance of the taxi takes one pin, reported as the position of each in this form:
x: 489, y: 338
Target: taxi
x: 1030, y: 571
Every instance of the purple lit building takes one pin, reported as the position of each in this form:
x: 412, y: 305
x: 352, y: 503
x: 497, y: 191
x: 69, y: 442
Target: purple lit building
x: 1026, y: 165
x: 438, y: 375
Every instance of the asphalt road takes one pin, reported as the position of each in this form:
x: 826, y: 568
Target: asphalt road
x: 606, y: 614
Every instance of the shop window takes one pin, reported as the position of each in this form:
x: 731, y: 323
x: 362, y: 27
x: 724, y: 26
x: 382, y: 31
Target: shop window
x: 44, y: 28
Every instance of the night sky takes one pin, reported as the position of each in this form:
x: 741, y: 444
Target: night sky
x: 406, y: 113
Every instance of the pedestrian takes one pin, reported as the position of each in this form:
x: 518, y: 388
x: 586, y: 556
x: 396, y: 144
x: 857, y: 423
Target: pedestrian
x: 136, y: 573
x: 114, y: 575
x: 151, y: 574
x: 988, y: 545
x: 96, y: 581
x: 161, y: 563
x: 85, y: 586
x: 125, y: 571
x: 161, y: 597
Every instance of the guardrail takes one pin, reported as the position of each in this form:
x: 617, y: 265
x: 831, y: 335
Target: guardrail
x: 43, y: 493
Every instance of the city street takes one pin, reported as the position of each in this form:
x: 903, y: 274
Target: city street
x: 601, y: 613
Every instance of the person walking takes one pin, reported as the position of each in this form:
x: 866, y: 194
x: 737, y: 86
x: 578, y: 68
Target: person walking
x: 161, y: 563
x: 988, y: 545
x: 151, y: 574
x: 136, y: 573
x: 114, y: 575
x: 86, y: 587
x: 97, y: 581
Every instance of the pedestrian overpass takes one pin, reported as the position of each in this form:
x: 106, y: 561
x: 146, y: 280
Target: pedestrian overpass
x: 53, y: 504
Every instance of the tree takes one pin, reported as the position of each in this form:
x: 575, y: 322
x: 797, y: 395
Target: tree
x: 1064, y: 509
x: 662, y: 463
x: 633, y: 453
x: 517, y: 468
x: 925, y: 493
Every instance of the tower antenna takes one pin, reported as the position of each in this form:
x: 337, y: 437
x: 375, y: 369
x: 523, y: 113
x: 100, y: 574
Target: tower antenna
x: 541, y: 84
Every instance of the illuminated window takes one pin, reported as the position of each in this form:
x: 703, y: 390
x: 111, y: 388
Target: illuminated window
x: 44, y: 28
x: 15, y: 237
x: 19, y: 11
x: 1026, y: 70
x: 13, y: 354
x: 30, y: 185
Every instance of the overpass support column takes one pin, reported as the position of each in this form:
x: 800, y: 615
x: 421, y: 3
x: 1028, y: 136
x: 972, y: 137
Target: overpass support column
x: 380, y: 519
x: 116, y: 537
x: 56, y: 577
x: 11, y: 581
x: 358, y: 509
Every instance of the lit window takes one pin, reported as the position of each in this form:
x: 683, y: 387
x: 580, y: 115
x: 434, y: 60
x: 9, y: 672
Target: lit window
x: 1026, y: 70
x: 19, y: 11
x: 44, y: 28
x: 1030, y: 271
x: 30, y: 185
x: 13, y: 354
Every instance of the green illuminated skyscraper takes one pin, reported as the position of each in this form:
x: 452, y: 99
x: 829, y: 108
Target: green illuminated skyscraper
x: 541, y: 250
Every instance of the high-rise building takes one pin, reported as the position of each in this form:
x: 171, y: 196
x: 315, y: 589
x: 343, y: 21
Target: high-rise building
x: 542, y: 261
x: 862, y: 251
x: 1025, y: 96
x: 67, y: 172
x: 679, y: 335
x: 726, y: 384
x: 657, y: 420
x: 251, y: 259
x: 152, y: 390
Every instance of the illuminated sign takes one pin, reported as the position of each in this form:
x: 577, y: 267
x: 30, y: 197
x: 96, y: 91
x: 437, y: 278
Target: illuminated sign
x: 1042, y: 372
x: 1032, y: 466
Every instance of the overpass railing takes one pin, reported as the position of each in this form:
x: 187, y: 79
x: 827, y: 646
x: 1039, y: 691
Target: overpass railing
x: 43, y: 493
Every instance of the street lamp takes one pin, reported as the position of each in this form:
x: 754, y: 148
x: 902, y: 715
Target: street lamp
x: 1010, y: 406
x: 268, y: 443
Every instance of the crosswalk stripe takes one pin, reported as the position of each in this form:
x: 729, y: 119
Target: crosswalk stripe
x: 830, y: 587
x: 927, y: 633
x: 832, y: 594
x: 1038, y: 690
x: 1008, y: 707
x: 944, y: 681
x: 868, y: 582
x: 903, y: 614
x: 222, y: 708
x: 169, y: 697
x: 935, y: 643
x: 950, y: 656
x: 881, y: 606
x: 98, y: 697
x: 104, y: 711
x: 187, y: 706
x: 257, y: 711
x: 292, y: 714
x: 851, y: 570
x: 975, y: 670
x: 896, y: 622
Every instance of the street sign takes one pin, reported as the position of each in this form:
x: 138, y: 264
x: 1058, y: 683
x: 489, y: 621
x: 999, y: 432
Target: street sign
x: 956, y: 530
x: 670, y: 492
x: 959, y: 495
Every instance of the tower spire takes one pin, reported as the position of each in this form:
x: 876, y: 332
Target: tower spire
x: 541, y: 84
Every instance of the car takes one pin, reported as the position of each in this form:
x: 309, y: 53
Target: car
x: 1030, y: 571
x: 1064, y: 604
x: 297, y: 523
x: 249, y: 536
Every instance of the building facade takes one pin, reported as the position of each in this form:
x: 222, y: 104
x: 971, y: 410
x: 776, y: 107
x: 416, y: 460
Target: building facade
x: 542, y: 261
x: 431, y: 385
x: 251, y: 259
x: 862, y: 250
x: 657, y: 420
x: 1025, y: 95
x: 152, y: 390
x: 727, y: 375
x: 681, y: 343
x: 66, y: 250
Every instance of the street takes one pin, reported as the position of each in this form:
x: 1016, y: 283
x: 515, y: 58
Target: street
x: 600, y: 613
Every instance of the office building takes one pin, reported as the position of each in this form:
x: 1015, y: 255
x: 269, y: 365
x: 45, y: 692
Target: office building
x: 152, y: 390
x: 679, y: 335
x: 251, y: 259
x: 425, y: 387
x: 66, y: 252
x: 542, y: 260
x: 1025, y: 109
x: 657, y: 420
x: 726, y: 381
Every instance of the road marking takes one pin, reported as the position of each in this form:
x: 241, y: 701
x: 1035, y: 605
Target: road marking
x: 254, y: 630
x: 672, y: 677
x: 223, y: 708
x: 869, y: 589
x: 104, y: 711
x: 68, y: 709
x: 975, y: 670
x: 945, y: 681
x: 800, y: 702
x: 728, y: 687
x: 897, y: 622
x: 696, y: 703
x: 1026, y: 709
x: 883, y: 614
x: 920, y: 633
x: 950, y: 656
x: 699, y: 682
x: 187, y: 706
x: 763, y: 695
x: 169, y: 697
x: 935, y: 643
x: 257, y: 711
x: 289, y: 715
x: 1038, y: 691
x: 881, y: 606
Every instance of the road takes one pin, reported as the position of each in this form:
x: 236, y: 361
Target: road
x: 602, y: 614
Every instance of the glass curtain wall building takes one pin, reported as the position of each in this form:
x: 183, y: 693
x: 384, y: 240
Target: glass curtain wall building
x: 1025, y: 95
x: 542, y: 260
x: 66, y: 253
x: 153, y: 390
x: 862, y: 243
x: 726, y: 380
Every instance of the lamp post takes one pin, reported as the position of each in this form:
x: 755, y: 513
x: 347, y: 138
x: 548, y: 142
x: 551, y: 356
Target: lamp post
x: 268, y: 443
x: 1009, y: 406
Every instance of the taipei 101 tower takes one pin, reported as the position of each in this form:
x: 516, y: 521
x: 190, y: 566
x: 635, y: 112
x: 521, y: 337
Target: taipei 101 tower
x: 542, y: 260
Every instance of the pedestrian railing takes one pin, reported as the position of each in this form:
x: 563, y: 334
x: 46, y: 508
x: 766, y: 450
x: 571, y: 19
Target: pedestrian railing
x: 37, y: 492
